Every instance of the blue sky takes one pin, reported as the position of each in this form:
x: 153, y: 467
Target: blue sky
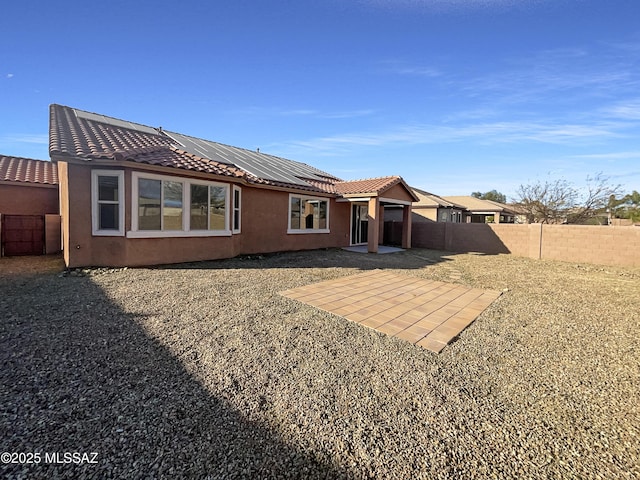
x: 454, y: 95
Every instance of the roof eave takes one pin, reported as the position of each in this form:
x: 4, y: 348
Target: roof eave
x: 28, y: 184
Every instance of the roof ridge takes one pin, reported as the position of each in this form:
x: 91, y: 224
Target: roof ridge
x: 157, y: 129
x: 395, y: 177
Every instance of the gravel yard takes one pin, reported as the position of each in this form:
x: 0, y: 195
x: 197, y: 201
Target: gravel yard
x: 203, y: 370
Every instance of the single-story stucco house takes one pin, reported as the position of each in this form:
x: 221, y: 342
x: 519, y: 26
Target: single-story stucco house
x: 137, y: 195
x: 29, y: 206
x: 435, y: 208
x: 455, y: 209
x: 481, y: 211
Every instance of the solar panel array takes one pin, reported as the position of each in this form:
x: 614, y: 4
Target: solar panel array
x: 259, y: 164
x: 95, y: 117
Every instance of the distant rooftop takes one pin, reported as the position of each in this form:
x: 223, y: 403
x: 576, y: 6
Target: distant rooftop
x: 28, y: 170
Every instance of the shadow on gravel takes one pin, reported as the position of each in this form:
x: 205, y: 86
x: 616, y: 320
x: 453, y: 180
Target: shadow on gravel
x: 324, y: 258
x: 80, y: 375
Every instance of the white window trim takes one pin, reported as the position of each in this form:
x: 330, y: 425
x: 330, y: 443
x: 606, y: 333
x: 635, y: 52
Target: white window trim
x: 302, y: 231
x: 95, y: 228
x: 186, y: 205
x: 239, y: 208
x: 227, y: 213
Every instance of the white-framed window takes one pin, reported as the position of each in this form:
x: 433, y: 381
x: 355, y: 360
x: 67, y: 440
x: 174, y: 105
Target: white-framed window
x: 165, y: 206
x: 236, y: 203
x: 308, y: 214
x: 107, y: 203
x: 208, y: 207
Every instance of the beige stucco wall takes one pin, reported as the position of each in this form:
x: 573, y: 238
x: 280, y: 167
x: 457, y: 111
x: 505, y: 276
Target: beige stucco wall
x: 63, y: 178
x: 52, y: 235
x: 397, y: 192
x: 422, y: 214
x: 265, y: 221
x: 264, y: 229
x: 28, y: 199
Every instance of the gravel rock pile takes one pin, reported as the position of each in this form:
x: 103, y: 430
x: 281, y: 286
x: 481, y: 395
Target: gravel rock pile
x: 203, y: 370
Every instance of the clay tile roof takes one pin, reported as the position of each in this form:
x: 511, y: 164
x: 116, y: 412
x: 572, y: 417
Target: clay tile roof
x: 370, y: 185
x: 169, y: 156
x: 325, y: 186
x: 433, y: 200
x: 83, y: 134
x: 309, y: 186
x: 91, y: 136
x: 477, y: 204
x: 28, y: 170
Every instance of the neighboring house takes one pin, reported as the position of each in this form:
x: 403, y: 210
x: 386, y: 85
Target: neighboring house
x: 483, y: 211
x: 435, y: 208
x: 28, y: 206
x: 136, y: 195
x: 430, y: 208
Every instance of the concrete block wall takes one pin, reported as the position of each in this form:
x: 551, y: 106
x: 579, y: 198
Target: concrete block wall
x: 520, y: 240
x: 600, y: 245
x: 428, y: 235
x: 473, y: 237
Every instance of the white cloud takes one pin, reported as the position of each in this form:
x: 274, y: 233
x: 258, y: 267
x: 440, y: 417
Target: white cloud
x: 347, y: 114
x: 9, y: 75
x: 418, y: 71
x: 401, y: 67
x: 304, y: 112
x: 628, y: 110
x: 37, y: 139
x: 328, y: 115
x: 611, y: 155
x: 450, y: 4
x: 480, y: 133
x: 546, y: 77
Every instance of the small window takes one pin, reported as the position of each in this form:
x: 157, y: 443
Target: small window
x: 217, y: 208
x: 149, y: 204
x: 199, y: 207
x: 107, y: 197
x: 294, y: 218
x: 172, y: 206
x: 308, y: 215
x: 236, y: 209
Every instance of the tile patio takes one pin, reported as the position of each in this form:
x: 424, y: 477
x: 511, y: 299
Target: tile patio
x: 427, y: 313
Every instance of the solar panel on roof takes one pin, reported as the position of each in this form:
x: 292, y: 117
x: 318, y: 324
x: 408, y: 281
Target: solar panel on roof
x: 114, y: 121
x: 261, y: 165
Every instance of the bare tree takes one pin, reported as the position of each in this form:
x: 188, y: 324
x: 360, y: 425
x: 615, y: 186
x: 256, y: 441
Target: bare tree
x: 558, y: 201
x: 595, y: 200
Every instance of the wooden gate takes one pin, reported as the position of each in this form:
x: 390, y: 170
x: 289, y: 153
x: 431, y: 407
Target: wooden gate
x: 22, y: 235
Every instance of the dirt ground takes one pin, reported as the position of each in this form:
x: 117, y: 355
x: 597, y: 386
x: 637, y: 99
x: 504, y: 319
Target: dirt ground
x: 30, y: 265
x: 203, y: 370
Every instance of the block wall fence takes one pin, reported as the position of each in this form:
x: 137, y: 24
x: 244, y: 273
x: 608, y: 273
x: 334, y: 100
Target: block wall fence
x: 600, y: 245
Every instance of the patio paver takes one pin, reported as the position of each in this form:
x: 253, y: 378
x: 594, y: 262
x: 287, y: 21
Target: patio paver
x: 427, y: 313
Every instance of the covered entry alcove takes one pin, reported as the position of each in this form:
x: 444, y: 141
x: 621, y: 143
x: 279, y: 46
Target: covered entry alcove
x: 368, y: 199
